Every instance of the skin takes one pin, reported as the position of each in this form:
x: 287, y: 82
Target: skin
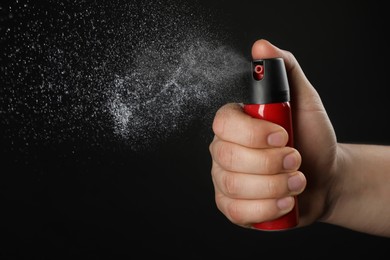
x: 255, y: 175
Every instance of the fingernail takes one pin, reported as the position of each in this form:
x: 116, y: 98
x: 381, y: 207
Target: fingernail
x: 290, y: 161
x: 285, y: 203
x: 296, y: 182
x: 276, y: 139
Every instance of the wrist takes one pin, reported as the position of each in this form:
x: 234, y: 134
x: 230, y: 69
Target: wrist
x: 335, y: 184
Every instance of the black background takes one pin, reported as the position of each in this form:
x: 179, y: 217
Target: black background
x: 80, y: 200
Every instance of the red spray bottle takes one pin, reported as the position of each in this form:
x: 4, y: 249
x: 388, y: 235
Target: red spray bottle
x: 268, y: 98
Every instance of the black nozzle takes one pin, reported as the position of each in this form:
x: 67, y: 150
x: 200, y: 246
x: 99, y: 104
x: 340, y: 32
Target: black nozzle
x: 268, y: 82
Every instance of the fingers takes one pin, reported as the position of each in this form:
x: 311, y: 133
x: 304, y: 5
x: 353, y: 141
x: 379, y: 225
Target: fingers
x: 254, y: 181
x: 248, y: 198
x: 230, y: 120
x: 236, y: 158
x: 247, y: 212
x: 255, y: 174
x: 243, y: 186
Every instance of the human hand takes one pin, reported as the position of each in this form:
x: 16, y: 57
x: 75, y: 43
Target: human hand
x: 255, y: 175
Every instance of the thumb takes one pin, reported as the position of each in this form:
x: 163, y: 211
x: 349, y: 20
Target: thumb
x: 304, y: 96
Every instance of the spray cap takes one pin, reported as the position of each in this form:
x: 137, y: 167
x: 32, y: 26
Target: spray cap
x: 268, y: 82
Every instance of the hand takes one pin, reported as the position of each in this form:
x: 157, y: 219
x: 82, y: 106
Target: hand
x: 255, y: 175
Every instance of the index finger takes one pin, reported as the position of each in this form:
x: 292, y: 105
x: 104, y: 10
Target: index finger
x: 232, y: 124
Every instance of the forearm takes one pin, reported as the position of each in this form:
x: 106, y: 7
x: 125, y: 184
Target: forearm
x: 359, y: 197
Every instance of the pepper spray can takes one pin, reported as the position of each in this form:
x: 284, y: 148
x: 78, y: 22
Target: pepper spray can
x: 268, y: 98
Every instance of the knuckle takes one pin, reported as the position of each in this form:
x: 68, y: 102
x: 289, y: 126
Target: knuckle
x: 266, y: 164
x: 231, y: 184
x: 224, y: 154
x: 273, y: 188
x: 211, y: 147
x: 252, y: 136
x: 234, y: 213
x: 213, y: 171
x: 219, y: 123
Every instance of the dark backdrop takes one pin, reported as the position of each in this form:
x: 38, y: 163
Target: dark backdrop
x: 72, y: 189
